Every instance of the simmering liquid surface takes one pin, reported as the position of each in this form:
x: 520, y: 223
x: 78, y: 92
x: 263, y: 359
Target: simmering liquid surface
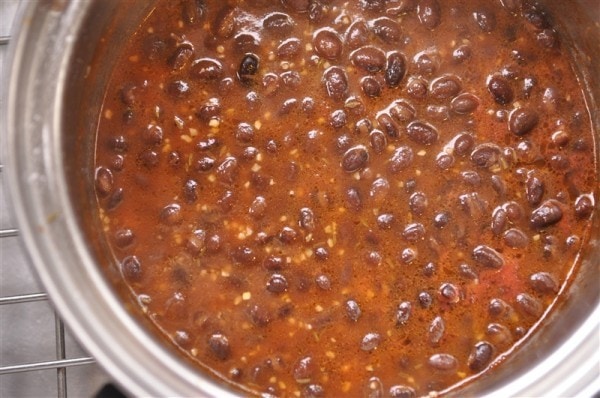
x: 362, y: 198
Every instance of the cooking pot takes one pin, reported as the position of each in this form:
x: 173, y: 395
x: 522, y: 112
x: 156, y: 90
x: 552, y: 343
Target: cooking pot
x: 61, y: 57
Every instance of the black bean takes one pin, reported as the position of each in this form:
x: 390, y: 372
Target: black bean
x: 401, y: 159
x: 378, y: 141
x: 386, y: 29
x: 352, y: 309
x: 204, y: 164
x: 226, y: 201
x: 388, y: 125
x: 353, y: 199
x: 441, y: 219
x: 190, y: 191
x: 244, y: 132
x: 373, y: 388
x: 529, y: 305
x: 471, y: 177
x: 357, y: 34
x: 544, y: 282
x: 296, y: 5
x: 416, y: 88
x: 402, y: 111
x: 277, y: 283
x: 104, y: 181
x: 400, y: 391
x: 211, y: 109
x: 124, y: 238
x: 500, y: 89
x: 446, y: 86
x: 380, y: 189
x: 413, y: 232
x: 336, y: 82
x: 385, y: 220
x: 182, y: 55
x: 422, y: 133
x: 429, y: 13
x: 449, y: 293
x: 522, y: 120
x: 171, y: 214
x: 248, y: 68
x: 274, y: 263
x: 548, y: 38
x: 395, y: 69
x: 462, y: 53
x: 374, y: 258
x: 193, y: 11
x: 179, y: 89
x: 227, y: 170
x: 355, y: 158
x: 427, y: 62
x: 499, y: 219
x: 403, y: 313
x: 289, y: 48
x: 480, y: 356
x: 418, y: 203
x: 304, y: 369
x: 487, y: 257
x: 534, y: 190
x: 370, y: 58
x: 466, y: 271
x: 246, y: 41
x: 327, y: 43
x: 206, y: 69
x: 464, y: 103
x: 498, y: 307
x: 463, y: 143
x: 148, y: 158
x: 486, y: 155
x: 425, y: 299
x: 307, y: 219
x: 278, y: 23
x: 370, y: 86
x: 370, y: 341
x: 243, y: 255
x: 118, y: 144
x: 196, y: 243
x: 515, y: 238
x: 313, y: 391
x: 584, y: 206
x: 436, y: 330
x: 131, y: 268
x: 443, y: 362
x: 258, y: 207
x: 485, y: 19
x: 547, y: 214
x: 219, y: 346
x: 535, y: 16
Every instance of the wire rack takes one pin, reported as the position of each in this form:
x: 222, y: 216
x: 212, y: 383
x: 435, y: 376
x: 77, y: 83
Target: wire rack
x: 12, y: 258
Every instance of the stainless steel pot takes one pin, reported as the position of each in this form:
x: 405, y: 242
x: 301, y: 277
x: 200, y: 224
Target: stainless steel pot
x: 53, y: 101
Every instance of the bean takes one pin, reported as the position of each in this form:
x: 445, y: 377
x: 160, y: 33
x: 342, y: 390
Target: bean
x: 211, y: 109
x: 243, y: 255
x: 449, y: 293
x: 413, y: 232
x: 446, y: 86
x: 529, y: 305
x: 548, y: 38
x: 443, y: 362
x: 436, y: 330
x: 534, y: 190
x: 471, y: 177
x: 499, y: 220
x: 246, y: 41
x: 289, y: 48
x: 219, y: 346
x: 336, y: 82
x: 463, y: 143
x: 544, y: 282
x: 499, y: 334
x: 307, y: 219
x: 204, y: 164
x: 480, y: 356
x: 486, y: 155
x: 227, y: 170
x: 355, y: 158
x: 104, y: 181
x: 402, y: 111
x: 370, y: 341
x: 429, y: 13
x: 522, y: 120
x: 498, y: 307
x: 193, y: 11
x: 182, y: 55
x: 416, y: 88
x: 462, y: 53
x: 206, y: 69
x: 378, y: 141
x: 485, y: 19
x: 278, y: 23
x: 427, y: 62
x: 464, y: 104
x: 373, y: 388
x: 287, y: 235
x: 395, y: 69
x: 370, y: 86
x: 401, y: 159
x: 327, y: 43
x: 118, y: 144
x: 535, y: 16
x: 369, y: 58
x: 441, y: 219
x: 418, y: 203
x: 386, y: 29
x: 277, y: 283
x: 425, y: 299
x: 388, y: 125
x: 512, y: 5
x: 584, y: 206
x: 422, y: 133
x: 124, y: 238
x: 357, y: 34
x: 171, y: 214
x: 313, y: 391
x: 353, y: 199
x: 515, y: 238
x: 547, y: 214
x: 400, y: 391
x: 487, y: 257
x: 372, y: 5
x: 304, y: 369
x: 500, y: 89
x: 403, y: 313
x: 352, y: 309
x: 131, y: 269
x: 296, y: 5
x: 248, y: 68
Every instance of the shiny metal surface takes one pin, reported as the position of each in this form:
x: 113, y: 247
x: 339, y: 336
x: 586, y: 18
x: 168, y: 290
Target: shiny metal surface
x: 49, y: 145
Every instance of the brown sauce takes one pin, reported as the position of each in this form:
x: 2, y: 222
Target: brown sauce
x: 366, y: 198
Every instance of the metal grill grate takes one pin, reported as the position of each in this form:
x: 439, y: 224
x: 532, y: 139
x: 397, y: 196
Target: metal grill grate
x: 17, y: 289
